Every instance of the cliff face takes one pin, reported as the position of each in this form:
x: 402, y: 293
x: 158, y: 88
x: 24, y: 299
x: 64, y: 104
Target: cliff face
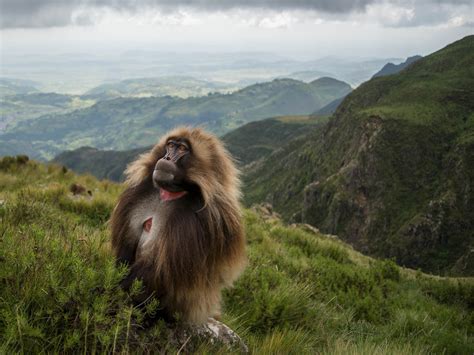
x: 392, y: 173
x: 402, y: 191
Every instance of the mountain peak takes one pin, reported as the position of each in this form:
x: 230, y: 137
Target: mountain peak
x: 390, y: 68
x: 326, y: 80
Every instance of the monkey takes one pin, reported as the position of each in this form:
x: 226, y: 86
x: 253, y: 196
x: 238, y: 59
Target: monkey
x: 178, y: 224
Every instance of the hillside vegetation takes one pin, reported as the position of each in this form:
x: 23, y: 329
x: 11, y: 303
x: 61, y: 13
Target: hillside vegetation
x: 247, y: 144
x: 103, y: 164
x: 256, y: 140
x: 22, y: 107
x: 303, y: 292
x: 392, y: 172
x: 127, y: 123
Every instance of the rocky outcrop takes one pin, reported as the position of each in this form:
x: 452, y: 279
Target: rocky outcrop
x: 214, y: 332
x: 408, y: 200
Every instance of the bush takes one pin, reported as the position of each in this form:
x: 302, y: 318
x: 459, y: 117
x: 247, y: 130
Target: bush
x: 7, y: 162
x: 22, y: 159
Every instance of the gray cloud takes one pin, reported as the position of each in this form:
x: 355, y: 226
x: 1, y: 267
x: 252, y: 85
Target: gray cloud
x: 51, y: 13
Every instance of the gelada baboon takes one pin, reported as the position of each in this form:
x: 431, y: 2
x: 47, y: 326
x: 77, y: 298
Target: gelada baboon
x: 178, y: 224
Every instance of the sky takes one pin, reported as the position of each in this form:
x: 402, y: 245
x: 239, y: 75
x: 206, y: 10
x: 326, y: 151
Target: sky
x: 300, y: 29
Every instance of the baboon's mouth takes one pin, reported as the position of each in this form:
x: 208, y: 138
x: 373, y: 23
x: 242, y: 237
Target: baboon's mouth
x: 166, y: 195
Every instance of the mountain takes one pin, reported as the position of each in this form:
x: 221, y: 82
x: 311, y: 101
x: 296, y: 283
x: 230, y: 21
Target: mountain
x: 256, y: 140
x: 126, y: 123
x: 308, y: 75
x: 103, y: 164
x: 247, y: 144
x: 116, y: 123
x: 303, y: 292
x: 391, y: 68
x: 180, y: 86
x: 351, y: 70
x: 328, y: 87
x: 26, y: 106
x: 330, y: 108
x: 9, y: 86
x: 392, y: 172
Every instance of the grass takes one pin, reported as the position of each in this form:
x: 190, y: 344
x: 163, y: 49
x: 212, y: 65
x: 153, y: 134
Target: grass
x: 303, y: 292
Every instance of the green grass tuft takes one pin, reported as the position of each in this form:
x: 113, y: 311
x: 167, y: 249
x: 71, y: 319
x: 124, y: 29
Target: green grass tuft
x: 302, y: 292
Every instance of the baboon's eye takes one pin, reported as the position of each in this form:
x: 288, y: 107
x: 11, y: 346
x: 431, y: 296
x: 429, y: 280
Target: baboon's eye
x: 170, y: 145
x: 182, y: 149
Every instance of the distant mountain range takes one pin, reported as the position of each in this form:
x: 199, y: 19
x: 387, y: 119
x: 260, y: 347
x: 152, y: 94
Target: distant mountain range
x: 391, y: 68
x: 125, y: 123
x: 351, y: 71
x: 24, y: 103
x: 180, y: 86
x: 76, y: 73
x: 10, y: 86
x: 248, y: 144
x: 392, y: 172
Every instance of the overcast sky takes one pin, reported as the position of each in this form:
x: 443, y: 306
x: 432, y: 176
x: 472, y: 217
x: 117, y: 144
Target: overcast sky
x: 298, y: 28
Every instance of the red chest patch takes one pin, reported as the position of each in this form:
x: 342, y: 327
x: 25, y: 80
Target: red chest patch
x: 148, y: 224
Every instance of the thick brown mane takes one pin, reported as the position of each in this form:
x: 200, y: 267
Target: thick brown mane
x: 200, y: 244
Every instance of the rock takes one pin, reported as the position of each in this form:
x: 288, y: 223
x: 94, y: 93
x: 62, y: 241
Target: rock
x: 266, y: 211
x: 222, y: 333
x: 214, y: 331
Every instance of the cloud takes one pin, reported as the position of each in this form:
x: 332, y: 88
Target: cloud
x: 50, y: 13
x: 57, y: 13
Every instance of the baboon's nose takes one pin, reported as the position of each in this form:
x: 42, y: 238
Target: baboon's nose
x: 165, y: 172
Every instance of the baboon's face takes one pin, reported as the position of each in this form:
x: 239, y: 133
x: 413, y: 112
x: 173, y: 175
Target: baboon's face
x: 170, y: 171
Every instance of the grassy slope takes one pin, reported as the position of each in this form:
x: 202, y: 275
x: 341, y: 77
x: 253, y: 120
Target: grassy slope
x: 303, y: 292
x: 392, y: 171
x: 127, y: 123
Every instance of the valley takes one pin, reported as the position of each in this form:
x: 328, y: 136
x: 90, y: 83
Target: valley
x: 390, y: 172
x: 129, y: 122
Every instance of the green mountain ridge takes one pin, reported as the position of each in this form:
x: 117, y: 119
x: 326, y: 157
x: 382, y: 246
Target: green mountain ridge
x: 390, y: 68
x: 252, y: 142
x: 26, y: 106
x: 103, y: 164
x: 392, y: 172
x: 126, y: 123
x: 303, y: 292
